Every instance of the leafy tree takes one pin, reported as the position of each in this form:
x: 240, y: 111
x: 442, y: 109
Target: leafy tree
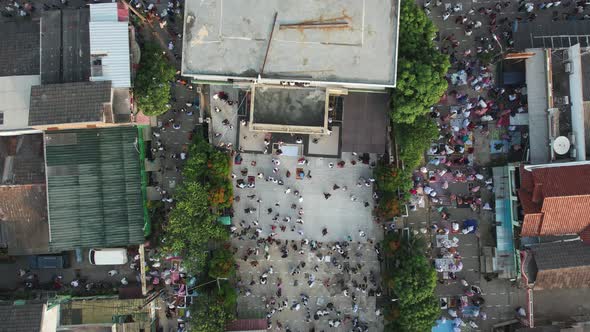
x: 421, y: 68
x: 191, y: 226
x: 208, y: 314
x: 152, y: 83
x: 418, y: 317
x: 228, y: 295
x: 412, y: 282
x: 211, y: 168
x: 414, y: 138
x: 388, y: 206
x: 222, y: 264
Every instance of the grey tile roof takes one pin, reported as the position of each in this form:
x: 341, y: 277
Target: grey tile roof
x: 22, y: 159
x: 21, y: 318
x: 19, y: 48
x: 68, y: 102
x: 65, y: 56
x: 561, y: 255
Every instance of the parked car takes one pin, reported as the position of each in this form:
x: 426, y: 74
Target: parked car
x: 58, y: 261
x: 108, y: 256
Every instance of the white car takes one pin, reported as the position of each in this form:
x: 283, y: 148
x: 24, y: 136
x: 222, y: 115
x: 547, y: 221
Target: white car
x: 108, y: 256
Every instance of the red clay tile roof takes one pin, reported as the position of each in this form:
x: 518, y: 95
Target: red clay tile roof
x: 561, y: 194
x: 526, y: 177
x: 23, y: 203
x: 558, y: 216
x: 556, y: 181
x: 565, y: 215
x: 531, y: 224
x: 23, y: 219
x: 526, y: 201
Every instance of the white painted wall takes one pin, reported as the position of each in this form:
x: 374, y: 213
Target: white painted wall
x: 15, y: 98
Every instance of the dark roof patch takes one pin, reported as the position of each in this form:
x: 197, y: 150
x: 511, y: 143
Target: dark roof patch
x: 559, y: 255
x: 65, y: 56
x: 21, y: 318
x: 68, y: 102
x: 364, y: 123
x: 19, y: 48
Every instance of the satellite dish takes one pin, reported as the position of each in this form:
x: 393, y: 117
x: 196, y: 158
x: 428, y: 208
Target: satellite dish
x: 561, y: 145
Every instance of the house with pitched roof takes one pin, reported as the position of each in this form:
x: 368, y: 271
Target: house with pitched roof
x: 560, y: 264
x: 555, y: 199
x: 79, y: 78
x: 536, y: 204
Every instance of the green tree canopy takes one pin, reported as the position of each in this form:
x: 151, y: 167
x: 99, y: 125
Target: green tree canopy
x: 191, y: 225
x: 421, y: 68
x: 228, y: 295
x: 212, y: 169
x: 152, y: 83
x: 415, y: 138
x: 208, y: 314
x: 412, y: 282
x: 222, y: 264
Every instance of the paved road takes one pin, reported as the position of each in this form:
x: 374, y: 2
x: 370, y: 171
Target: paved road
x: 500, y: 295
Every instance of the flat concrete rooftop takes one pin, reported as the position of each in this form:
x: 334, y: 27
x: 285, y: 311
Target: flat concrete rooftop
x: 343, y: 41
x: 289, y: 106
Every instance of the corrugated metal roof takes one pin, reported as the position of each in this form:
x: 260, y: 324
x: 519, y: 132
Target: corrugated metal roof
x: 110, y: 37
x: 537, y: 106
x: 105, y: 12
x: 100, y: 205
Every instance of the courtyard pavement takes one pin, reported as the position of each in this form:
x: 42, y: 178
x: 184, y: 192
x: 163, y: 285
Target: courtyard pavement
x: 344, y: 220
x: 339, y: 214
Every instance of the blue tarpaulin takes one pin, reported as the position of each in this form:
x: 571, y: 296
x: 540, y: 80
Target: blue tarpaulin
x: 470, y: 222
x: 447, y: 326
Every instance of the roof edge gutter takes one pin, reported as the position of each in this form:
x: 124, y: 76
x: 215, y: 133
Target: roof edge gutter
x: 46, y: 186
x: 530, y: 168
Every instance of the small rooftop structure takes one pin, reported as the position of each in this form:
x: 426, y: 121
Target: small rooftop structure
x: 109, y: 45
x: 289, y: 109
x: 558, y: 91
x: 555, y: 199
x: 81, y: 102
x: 347, y: 43
x: 538, y: 106
x: 100, y: 313
x: 364, y: 123
x: 94, y: 188
x: 564, y: 264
